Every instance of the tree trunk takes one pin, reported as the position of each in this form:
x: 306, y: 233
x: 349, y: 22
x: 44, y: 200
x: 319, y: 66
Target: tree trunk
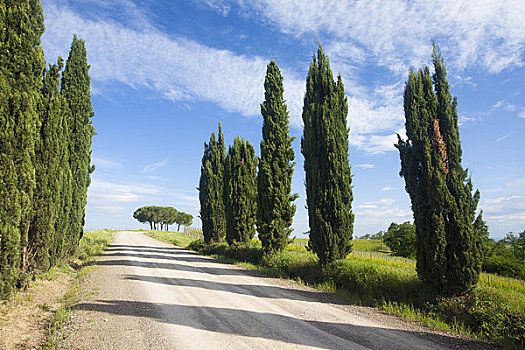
x: 178, y: 228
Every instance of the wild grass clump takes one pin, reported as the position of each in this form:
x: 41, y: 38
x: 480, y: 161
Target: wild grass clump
x: 93, y: 243
x: 375, y: 283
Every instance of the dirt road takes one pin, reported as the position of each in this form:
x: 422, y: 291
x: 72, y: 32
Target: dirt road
x: 151, y: 295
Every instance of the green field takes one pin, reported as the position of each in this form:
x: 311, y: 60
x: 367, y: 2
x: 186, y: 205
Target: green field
x: 361, y: 245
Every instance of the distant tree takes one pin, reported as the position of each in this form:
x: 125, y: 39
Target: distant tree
x: 325, y: 149
x: 240, y: 187
x: 76, y: 86
x: 449, y: 249
x: 169, y: 217
x: 143, y: 215
x: 275, y: 208
x: 21, y: 67
x: 211, y: 189
x: 401, y: 239
x: 183, y: 219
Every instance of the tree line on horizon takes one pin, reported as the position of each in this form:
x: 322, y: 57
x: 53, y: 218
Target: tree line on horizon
x: 45, y: 141
x: 159, y: 218
x: 239, y: 192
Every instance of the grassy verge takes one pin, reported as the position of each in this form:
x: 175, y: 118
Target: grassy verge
x: 92, y: 244
x: 179, y: 239
x: 494, y: 311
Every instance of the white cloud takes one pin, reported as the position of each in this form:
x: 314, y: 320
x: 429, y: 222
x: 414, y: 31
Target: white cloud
x: 189, y: 199
x: 220, y: 6
x: 505, y: 211
x: 502, y: 138
x: 506, y: 106
x: 387, y: 188
x: 105, y: 196
x: 396, y: 34
x: 151, y: 167
x: 365, y: 166
x: 105, y: 163
x: 178, y: 68
x: 522, y: 114
x: 381, y: 211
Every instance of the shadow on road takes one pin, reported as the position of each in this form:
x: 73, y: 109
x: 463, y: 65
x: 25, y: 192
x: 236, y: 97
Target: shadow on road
x: 292, y: 330
x: 256, y: 290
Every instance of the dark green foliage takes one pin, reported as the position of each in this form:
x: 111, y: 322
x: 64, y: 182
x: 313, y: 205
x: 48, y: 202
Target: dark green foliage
x: 275, y: 208
x: 211, y: 189
x: 401, y: 239
x: 21, y: 67
x: 449, y: 249
x: 160, y: 218
x: 240, y: 192
x: 45, y: 241
x: 506, y: 256
x: 325, y: 149
x: 183, y: 219
x: 76, y: 90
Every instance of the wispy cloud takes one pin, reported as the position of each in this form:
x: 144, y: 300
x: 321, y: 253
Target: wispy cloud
x: 387, y: 188
x: 105, y: 163
x: 107, y: 196
x: 490, y: 33
x: 502, y: 138
x: 374, y: 212
x: 234, y: 82
x: 506, y: 106
x: 365, y: 166
x: 151, y: 167
x: 506, y: 209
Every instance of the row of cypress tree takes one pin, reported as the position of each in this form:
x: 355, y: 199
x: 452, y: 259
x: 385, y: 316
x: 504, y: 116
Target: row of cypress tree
x: 45, y: 140
x: 234, y: 197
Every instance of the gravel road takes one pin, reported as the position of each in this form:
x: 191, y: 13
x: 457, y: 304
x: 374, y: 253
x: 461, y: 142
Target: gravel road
x: 151, y: 295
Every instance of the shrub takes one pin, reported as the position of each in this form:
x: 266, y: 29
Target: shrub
x: 493, y: 321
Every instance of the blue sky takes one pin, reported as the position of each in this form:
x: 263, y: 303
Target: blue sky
x: 164, y: 73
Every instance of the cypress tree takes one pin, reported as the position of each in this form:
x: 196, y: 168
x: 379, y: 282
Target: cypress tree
x: 448, y: 234
x: 49, y: 171
x: 76, y: 90
x: 275, y: 208
x: 211, y: 189
x: 240, y: 191
x: 328, y: 177
x: 21, y: 67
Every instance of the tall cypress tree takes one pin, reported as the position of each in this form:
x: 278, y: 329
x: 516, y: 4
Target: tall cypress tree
x: 76, y: 86
x: 44, y: 235
x: 240, y: 191
x: 21, y: 67
x: 325, y: 148
x: 448, y: 234
x: 275, y: 208
x: 211, y: 189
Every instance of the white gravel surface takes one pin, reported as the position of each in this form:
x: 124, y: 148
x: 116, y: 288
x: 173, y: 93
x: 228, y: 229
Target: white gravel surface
x: 151, y: 295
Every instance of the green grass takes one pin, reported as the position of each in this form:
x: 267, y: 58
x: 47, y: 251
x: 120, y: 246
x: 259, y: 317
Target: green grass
x: 370, y: 245
x: 178, y: 239
x: 92, y: 244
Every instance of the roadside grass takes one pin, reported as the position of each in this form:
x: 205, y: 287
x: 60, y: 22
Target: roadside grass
x: 370, y: 245
x: 179, y: 239
x: 494, y: 311
x: 92, y: 244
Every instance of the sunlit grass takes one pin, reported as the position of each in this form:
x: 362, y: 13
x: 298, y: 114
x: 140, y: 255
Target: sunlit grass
x: 178, y: 239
